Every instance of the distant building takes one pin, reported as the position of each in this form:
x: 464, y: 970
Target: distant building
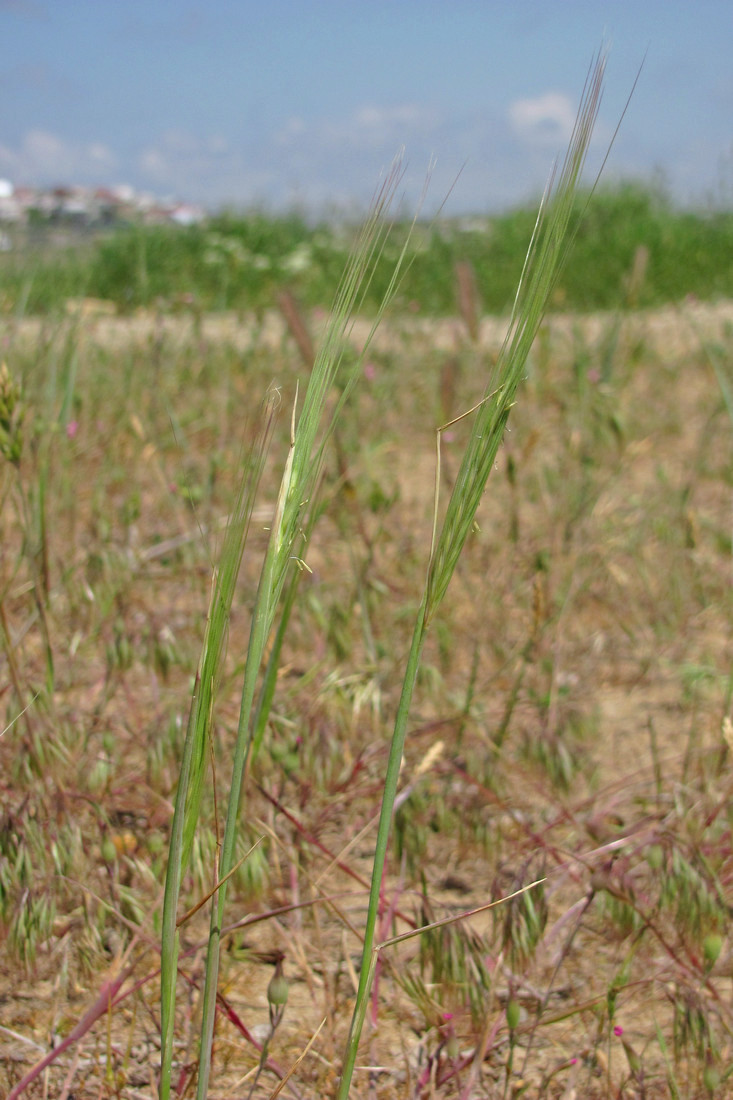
x: 186, y: 214
x: 10, y: 210
x: 73, y: 205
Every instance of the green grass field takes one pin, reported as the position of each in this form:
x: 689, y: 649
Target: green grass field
x: 571, y: 724
x: 239, y: 262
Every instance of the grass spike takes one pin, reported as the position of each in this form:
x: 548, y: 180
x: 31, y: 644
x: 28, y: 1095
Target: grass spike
x: 296, y: 501
x: 541, y: 268
x: 198, y: 731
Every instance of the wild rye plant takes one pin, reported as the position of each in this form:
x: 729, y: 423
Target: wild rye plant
x: 295, y: 513
x: 543, y: 263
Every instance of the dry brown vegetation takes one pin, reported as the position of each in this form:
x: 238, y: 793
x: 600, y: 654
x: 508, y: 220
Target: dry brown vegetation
x: 572, y: 720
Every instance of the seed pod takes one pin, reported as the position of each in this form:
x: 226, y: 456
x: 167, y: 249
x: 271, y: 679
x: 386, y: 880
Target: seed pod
x: 512, y: 1015
x: 278, y: 989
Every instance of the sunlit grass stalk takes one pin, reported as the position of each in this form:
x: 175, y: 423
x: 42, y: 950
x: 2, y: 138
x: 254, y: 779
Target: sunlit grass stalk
x: 296, y: 501
x: 269, y: 678
x: 198, y: 732
x: 311, y: 429
x: 34, y: 519
x: 547, y: 250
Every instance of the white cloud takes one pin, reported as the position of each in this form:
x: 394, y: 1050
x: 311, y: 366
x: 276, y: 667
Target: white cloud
x: 205, y: 169
x: 217, y: 145
x: 153, y: 163
x: 101, y: 155
x: 294, y: 128
x: 484, y: 159
x: 369, y: 126
x: 43, y: 158
x: 398, y: 116
x: 180, y: 150
x: 546, y: 119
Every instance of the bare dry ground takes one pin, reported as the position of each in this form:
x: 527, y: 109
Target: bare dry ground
x: 570, y: 722
x: 673, y: 331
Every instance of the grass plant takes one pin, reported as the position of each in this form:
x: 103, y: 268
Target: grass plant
x: 311, y: 429
x: 570, y: 723
x: 547, y: 250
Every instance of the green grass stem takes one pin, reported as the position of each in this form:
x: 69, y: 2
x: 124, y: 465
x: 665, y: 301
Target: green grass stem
x: 295, y: 511
x: 296, y: 502
x: 542, y: 265
x: 198, y: 732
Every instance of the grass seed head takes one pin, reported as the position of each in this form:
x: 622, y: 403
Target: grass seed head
x: 12, y: 412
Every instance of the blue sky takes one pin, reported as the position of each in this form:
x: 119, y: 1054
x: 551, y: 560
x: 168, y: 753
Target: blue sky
x: 278, y: 102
